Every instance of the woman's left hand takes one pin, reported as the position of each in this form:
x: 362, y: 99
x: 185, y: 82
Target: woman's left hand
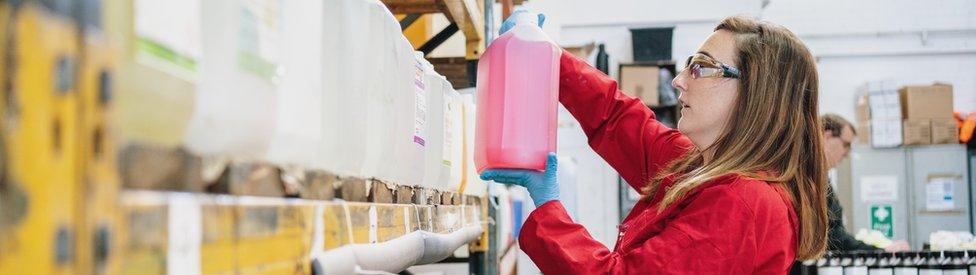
x: 542, y: 186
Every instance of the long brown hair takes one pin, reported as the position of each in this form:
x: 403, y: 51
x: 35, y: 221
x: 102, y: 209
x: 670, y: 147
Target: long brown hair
x: 773, y: 133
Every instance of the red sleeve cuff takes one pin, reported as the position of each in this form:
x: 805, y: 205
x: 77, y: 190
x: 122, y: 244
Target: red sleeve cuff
x: 550, y: 210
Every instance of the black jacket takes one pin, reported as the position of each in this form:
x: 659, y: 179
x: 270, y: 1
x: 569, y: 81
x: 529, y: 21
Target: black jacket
x: 837, y: 238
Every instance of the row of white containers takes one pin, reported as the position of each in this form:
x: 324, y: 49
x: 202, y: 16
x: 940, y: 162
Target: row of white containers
x: 332, y: 85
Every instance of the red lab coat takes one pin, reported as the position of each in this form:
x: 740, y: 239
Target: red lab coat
x: 730, y: 225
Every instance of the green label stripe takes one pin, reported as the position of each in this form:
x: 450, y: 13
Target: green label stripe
x: 162, y: 52
x: 257, y: 65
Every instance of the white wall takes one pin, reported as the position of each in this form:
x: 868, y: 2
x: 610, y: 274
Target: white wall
x: 912, y: 42
x: 897, y: 41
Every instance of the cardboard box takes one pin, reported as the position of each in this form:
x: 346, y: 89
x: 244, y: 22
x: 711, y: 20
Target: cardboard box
x: 926, y: 102
x: 863, y: 133
x: 945, y: 131
x: 885, y: 104
x: 862, y: 110
x: 917, y: 132
x: 641, y: 82
x: 886, y: 133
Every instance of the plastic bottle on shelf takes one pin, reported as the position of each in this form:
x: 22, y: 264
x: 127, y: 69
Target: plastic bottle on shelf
x: 436, y: 96
x: 518, y: 84
x: 235, y: 108
x: 832, y: 265
x: 298, y: 138
x: 956, y: 263
x: 453, y: 141
x: 445, y: 144
x: 857, y: 264
x: 881, y: 263
x: 971, y: 261
x: 932, y: 264
x: 410, y: 120
x: 154, y: 92
x: 379, y: 112
x: 820, y: 265
x: 902, y: 263
x: 471, y: 183
x: 354, y: 48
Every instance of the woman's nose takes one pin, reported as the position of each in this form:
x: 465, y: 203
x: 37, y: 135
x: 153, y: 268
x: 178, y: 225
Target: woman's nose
x: 680, y: 81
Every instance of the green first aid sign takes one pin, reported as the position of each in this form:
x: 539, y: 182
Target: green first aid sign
x: 881, y: 219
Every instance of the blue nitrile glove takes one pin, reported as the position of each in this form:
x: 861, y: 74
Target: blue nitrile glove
x: 542, y: 186
x: 510, y: 21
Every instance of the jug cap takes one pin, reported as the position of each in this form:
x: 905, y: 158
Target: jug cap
x: 522, y: 16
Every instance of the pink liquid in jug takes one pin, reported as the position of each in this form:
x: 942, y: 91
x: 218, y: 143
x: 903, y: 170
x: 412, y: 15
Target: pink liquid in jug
x: 517, y: 89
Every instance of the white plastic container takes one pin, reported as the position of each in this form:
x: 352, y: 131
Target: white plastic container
x: 379, y: 111
x: 234, y: 114
x: 433, y: 160
x: 298, y: 138
x: 354, y: 43
x: 471, y: 182
x: 410, y: 117
x: 452, y: 162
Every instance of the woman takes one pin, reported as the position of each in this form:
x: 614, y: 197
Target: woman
x: 738, y: 188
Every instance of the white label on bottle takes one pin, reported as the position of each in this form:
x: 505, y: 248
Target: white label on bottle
x: 406, y: 219
x: 318, y: 237
x: 372, y: 224
x: 420, y: 112
x: 171, y: 25
x: 259, y: 37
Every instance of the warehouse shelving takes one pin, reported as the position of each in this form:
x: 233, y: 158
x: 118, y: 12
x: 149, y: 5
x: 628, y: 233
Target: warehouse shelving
x: 141, y: 212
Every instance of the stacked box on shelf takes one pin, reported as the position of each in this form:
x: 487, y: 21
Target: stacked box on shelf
x: 923, y: 113
x: 885, y: 119
x: 862, y: 117
x: 930, y: 107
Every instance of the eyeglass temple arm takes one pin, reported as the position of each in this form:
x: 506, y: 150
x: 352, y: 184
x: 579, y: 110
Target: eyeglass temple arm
x: 730, y: 71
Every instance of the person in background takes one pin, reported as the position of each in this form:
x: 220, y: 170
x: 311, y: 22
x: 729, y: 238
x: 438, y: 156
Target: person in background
x: 838, y: 135
x: 739, y: 187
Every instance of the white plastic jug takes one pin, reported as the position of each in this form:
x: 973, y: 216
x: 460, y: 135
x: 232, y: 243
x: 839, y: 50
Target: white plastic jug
x: 154, y: 91
x: 471, y: 181
x: 452, y: 163
x: 379, y: 137
x: 235, y: 108
x: 354, y: 47
x: 410, y: 116
x: 298, y: 138
x: 436, y: 95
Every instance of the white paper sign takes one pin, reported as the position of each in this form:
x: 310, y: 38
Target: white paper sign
x: 938, y: 194
x: 185, y: 235
x: 879, y: 188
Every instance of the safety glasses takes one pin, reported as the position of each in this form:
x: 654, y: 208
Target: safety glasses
x: 701, y: 65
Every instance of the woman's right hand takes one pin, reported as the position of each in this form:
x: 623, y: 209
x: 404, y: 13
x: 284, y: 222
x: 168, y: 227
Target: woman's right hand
x: 542, y: 186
